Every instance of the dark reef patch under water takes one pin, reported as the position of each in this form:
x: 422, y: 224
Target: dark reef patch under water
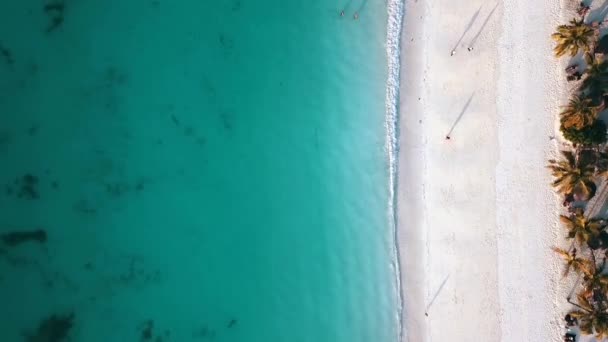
x: 55, y: 328
x: 15, y: 238
x: 193, y: 171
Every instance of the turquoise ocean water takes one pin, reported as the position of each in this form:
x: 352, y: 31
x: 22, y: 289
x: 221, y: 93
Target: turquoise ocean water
x: 203, y: 170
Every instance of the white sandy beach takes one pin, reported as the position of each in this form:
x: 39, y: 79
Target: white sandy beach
x: 477, y: 215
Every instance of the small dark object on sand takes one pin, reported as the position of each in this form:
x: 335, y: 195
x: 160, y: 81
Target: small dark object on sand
x: 447, y: 137
x: 567, y: 201
x: 571, y: 69
x: 570, y: 321
x: 13, y: 239
x: 53, y: 329
x: 570, y: 337
x: 583, y: 9
x: 575, y: 76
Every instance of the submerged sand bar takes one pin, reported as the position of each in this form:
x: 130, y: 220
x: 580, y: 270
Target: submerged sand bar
x: 476, y: 214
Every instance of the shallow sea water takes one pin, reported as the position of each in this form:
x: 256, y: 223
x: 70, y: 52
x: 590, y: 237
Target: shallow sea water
x: 204, y: 170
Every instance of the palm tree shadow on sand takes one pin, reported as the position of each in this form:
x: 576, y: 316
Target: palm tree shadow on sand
x: 598, y: 14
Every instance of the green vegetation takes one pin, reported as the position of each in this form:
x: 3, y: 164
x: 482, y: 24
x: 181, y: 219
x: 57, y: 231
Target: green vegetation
x: 572, y: 177
x: 600, y: 162
x: 580, y: 169
x: 602, y: 45
x: 577, y: 264
x: 592, y: 319
x: 595, y: 82
x: 580, y: 228
x: 573, y: 38
x: 579, y: 113
x: 595, y: 134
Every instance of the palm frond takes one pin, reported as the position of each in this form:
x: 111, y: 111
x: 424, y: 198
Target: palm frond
x: 574, y: 37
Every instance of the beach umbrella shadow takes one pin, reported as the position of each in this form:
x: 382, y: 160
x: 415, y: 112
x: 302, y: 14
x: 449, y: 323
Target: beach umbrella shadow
x: 483, y: 26
x: 467, y: 28
x: 426, y: 310
x: 464, y: 109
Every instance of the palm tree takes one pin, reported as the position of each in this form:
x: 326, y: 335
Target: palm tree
x: 573, y: 38
x: 595, y: 283
x: 601, y: 163
x: 579, y: 113
x: 595, y: 83
x: 571, y: 178
x: 595, y: 156
x: 580, y: 228
x: 579, y: 265
x: 592, y: 319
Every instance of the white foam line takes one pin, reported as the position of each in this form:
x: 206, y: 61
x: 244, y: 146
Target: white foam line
x: 393, y: 39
